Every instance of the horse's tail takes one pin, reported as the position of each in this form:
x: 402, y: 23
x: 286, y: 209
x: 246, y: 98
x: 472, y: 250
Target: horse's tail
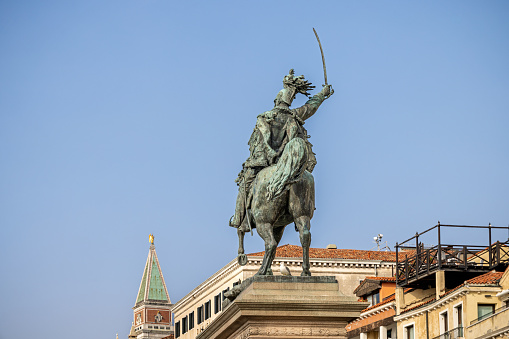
x: 289, y: 168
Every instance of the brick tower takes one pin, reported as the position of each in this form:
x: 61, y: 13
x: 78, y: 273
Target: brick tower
x: 152, y: 311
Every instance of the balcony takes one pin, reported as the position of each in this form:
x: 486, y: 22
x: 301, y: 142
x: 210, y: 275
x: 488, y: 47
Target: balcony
x: 460, y: 262
x: 488, y: 315
x: 452, y: 334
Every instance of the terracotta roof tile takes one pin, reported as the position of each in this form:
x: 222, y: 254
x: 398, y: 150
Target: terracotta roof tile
x: 487, y: 278
x: 294, y: 251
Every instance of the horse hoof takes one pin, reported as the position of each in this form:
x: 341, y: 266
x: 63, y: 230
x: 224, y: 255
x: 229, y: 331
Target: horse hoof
x: 305, y: 274
x: 242, y: 259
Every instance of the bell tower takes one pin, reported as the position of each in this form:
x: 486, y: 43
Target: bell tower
x: 152, y: 310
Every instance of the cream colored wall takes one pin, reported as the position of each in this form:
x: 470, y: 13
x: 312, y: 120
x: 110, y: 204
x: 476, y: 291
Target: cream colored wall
x: 480, y: 295
x: 491, y: 324
x: 417, y: 296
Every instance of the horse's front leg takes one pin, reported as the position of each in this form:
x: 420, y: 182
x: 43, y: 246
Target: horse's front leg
x: 303, y: 225
x: 267, y: 234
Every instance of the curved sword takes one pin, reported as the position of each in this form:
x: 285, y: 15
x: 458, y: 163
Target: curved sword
x: 323, y: 58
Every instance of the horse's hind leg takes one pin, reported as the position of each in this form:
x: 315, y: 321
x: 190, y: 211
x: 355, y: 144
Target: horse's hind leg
x: 303, y: 225
x: 241, y: 257
x: 266, y: 232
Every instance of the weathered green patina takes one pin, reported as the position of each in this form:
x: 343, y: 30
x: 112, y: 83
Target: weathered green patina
x: 143, y: 285
x: 156, y: 287
x: 276, y: 186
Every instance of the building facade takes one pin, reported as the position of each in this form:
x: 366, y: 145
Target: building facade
x: 475, y: 309
x: 202, y: 305
x: 445, y: 291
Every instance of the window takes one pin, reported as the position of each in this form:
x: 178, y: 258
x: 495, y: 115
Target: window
x: 389, y: 334
x: 375, y: 298
x: 207, y: 310
x: 184, y: 325
x: 409, y: 332
x: 484, y: 310
x: 191, y: 320
x: 217, y: 303
x: 177, y: 329
x: 444, y: 322
x: 458, y: 315
x: 200, y: 314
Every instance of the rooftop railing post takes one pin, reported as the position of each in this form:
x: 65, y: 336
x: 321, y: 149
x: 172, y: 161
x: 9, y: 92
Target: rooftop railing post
x: 498, y: 252
x: 406, y: 270
x: 465, y: 256
x: 439, y: 248
x: 397, y: 265
x: 428, y: 259
x: 490, y: 256
x: 417, y: 252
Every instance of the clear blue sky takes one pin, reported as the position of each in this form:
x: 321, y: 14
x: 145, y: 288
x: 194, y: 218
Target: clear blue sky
x: 124, y: 118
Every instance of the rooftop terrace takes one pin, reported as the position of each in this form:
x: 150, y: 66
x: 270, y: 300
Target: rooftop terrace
x: 459, y: 261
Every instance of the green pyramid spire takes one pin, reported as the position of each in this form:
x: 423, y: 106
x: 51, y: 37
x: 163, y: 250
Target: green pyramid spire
x: 152, y: 285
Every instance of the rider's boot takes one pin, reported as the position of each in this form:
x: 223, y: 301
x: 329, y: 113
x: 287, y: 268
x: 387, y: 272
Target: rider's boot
x: 240, y: 209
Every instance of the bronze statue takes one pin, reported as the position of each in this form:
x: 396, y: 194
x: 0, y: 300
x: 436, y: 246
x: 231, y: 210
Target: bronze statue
x: 276, y: 187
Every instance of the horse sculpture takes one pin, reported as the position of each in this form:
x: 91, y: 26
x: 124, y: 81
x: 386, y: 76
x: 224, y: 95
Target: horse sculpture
x: 276, y: 187
x: 282, y: 193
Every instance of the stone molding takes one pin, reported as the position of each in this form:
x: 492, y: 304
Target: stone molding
x: 286, y: 307
x: 294, y: 331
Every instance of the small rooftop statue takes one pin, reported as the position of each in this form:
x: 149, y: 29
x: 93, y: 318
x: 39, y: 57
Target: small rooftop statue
x: 276, y: 187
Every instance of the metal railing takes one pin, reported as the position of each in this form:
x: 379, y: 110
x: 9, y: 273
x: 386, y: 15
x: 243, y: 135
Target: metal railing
x: 452, y: 334
x: 488, y: 315
x: 424, y: 261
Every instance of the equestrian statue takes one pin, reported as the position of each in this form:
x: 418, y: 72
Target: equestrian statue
x: 276, y: 186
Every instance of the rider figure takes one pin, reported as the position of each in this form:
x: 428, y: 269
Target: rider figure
x: 273, y: 130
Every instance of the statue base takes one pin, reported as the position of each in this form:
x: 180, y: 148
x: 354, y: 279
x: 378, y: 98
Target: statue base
x: 286, y: 307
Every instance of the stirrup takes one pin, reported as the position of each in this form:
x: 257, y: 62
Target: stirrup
x: 230, y: 222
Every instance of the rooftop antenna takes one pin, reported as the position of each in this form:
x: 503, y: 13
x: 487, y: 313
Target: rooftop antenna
x: 378, y: 240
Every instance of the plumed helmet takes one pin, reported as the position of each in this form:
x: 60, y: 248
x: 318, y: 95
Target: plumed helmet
x: 300, y: 84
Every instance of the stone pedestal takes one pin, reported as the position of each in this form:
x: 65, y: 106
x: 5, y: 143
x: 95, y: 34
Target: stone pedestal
x: 286, y: 307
